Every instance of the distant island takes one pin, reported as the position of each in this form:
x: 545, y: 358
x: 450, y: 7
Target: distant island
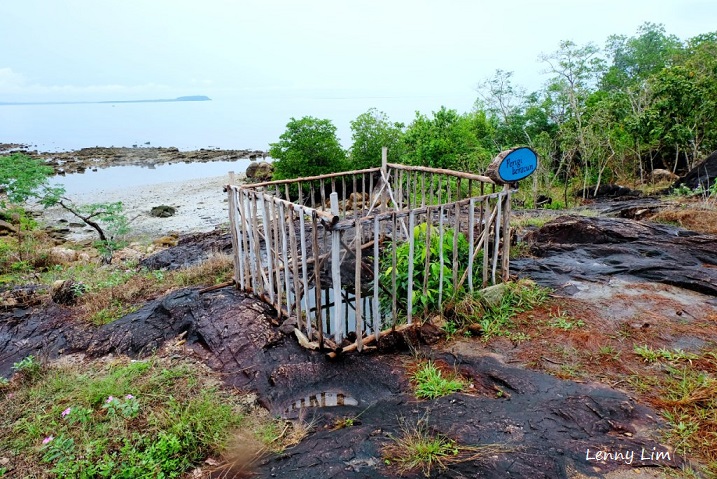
x: 181, y: 98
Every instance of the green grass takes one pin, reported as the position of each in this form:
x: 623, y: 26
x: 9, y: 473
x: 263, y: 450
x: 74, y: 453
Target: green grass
x: 496, y: 319
x: 650, y: 355
x: 562, y: 320
x: 430, y: 382
x: 418, y: 448
x: 124, y: 419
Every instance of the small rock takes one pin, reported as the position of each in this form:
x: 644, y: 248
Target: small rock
x: 60, y: 255
x: 66, y: 292
x: 163, y: 211
x: 430, y: 334
x: 663, y: 175
x: 6, y: 228
x: 288, y: 326
x: 492, y: 295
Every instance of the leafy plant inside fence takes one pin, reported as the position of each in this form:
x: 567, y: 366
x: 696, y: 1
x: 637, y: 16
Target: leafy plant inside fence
x: 440, y: 257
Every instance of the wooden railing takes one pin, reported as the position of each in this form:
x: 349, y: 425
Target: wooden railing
x: 323, y: 250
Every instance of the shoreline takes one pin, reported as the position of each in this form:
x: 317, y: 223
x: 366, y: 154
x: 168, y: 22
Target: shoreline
x: 99, y: 157
x: 201, y: 205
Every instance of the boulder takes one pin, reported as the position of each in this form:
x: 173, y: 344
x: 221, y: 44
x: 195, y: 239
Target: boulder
x: 67, y: 292
x: 163, y: 211
x: 492, y: 295
x: 659, y: 175
x: 60, y: 255
x: 703, y: 174
x: 260, y: 171
x: 6, y: 228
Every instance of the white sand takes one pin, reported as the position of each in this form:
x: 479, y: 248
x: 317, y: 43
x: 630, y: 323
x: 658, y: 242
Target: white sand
x: 201, y: 206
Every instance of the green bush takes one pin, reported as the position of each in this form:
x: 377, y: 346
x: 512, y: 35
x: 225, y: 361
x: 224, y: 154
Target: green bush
x: 429, y: 301
x: 308, y: 147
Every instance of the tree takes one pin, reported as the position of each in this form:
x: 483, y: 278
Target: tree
x: 636, y: 58
x: 21, y: 179
x: 576, y: 70
x: 448, y: 140
x: 372, y: 131
x: 308, y: 147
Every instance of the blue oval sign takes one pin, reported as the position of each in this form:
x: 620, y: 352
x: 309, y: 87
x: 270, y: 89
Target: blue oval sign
x: 518, y: 164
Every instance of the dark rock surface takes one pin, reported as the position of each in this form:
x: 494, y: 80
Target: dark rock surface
x: 190, y: 249
x: 703, y: 174
x: 546, y: 424
x: 593, y: 249
x: 609, y: 190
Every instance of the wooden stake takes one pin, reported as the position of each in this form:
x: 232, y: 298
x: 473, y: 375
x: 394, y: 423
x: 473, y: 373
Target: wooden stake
x: 376, y: 310
x: 411, y: 246
x: 304, y: 270
x: 471, y: 234
x: 505, y: 265
x: 496, y: 238
x: 336, y: 270
x: 268, y: 228
x: 295, y: 264
x: 285, y: 256
x: 317, y: 278
x: 357, y: 289
x: 274, y: 207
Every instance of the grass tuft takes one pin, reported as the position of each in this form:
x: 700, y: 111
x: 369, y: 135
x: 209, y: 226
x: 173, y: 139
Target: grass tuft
x: 430, y: 382
x: 419, y: 449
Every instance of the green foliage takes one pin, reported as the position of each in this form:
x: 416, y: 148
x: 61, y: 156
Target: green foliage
x: 435, y: 248
x: 22, y: 178
x: 496, y: 319
x: 430, y: 383
x: 562, y: 320
x: 29, y: 368
x: 308, y: 147
x: 121, y: 419
x: 650, y: 355
x: 370, y: 132
x: 448, y: 140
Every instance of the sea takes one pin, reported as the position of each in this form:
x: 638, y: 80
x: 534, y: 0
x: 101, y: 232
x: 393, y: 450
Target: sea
x: 227, y: 121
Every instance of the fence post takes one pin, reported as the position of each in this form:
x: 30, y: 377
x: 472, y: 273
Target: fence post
x: 411, y: 246
x: 336, y: 269
x: 384, y: 177
x: 268, y: 227
x: 376, y: 279
x: 358, y: 239
x: 505, y: 264
x: 236, y: 244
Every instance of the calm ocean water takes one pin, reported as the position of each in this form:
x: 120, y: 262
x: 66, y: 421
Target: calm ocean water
x: 225, y: 122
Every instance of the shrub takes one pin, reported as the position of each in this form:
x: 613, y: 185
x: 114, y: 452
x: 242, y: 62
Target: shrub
x: 308, y: 147
x: 429, y: 301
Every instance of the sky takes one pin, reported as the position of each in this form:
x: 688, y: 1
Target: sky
x: 422, y: 51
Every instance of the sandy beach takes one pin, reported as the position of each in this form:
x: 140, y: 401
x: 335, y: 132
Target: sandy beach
x: 201, y: 205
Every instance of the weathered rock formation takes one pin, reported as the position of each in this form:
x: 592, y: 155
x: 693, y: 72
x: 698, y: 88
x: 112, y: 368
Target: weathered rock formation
x: 703, y: 174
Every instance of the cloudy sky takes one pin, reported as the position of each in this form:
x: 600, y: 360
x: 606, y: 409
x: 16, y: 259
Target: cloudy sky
x: 100, y: 49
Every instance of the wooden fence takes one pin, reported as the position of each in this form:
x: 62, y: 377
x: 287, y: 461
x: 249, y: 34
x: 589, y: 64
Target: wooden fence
x: 330, y: 250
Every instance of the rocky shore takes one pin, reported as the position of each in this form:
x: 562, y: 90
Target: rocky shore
x: 199, y: 204
x: 78, y: 161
